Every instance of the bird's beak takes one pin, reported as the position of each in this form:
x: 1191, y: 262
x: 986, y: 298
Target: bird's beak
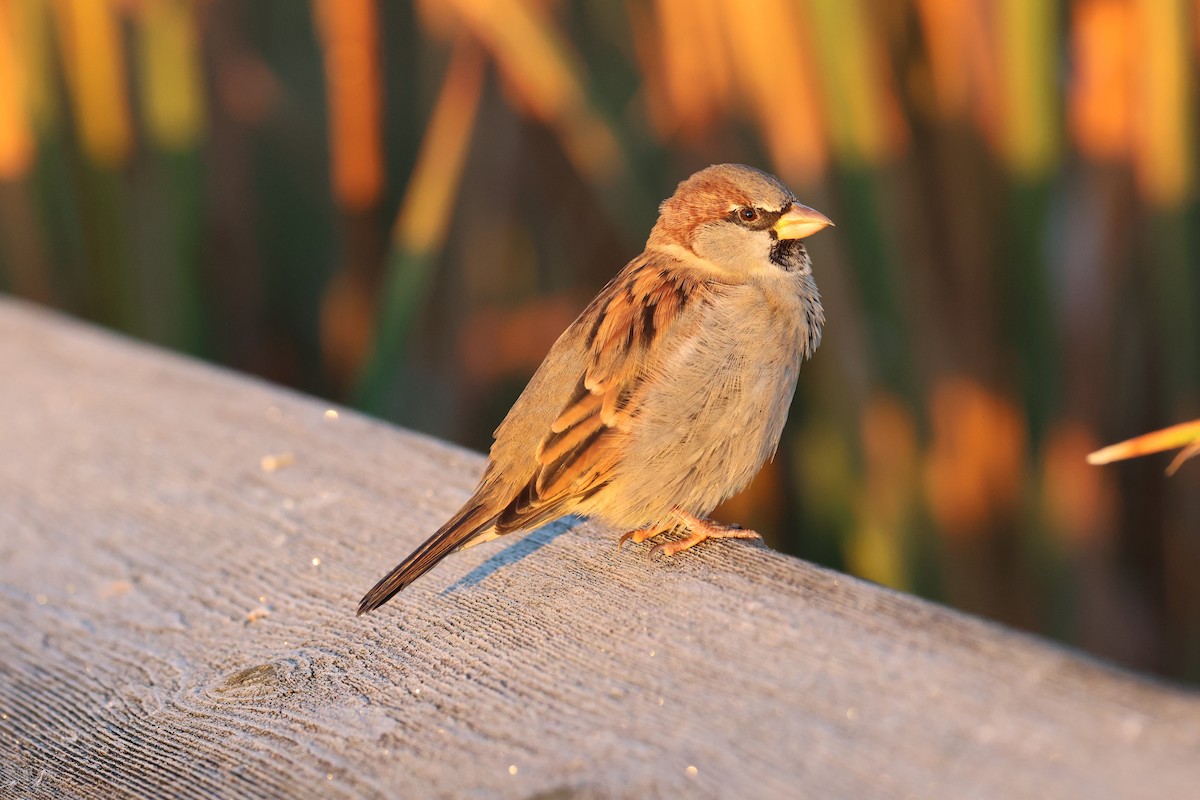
x: 799, y: 222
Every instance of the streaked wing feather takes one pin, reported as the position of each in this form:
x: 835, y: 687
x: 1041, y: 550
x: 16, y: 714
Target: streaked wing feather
x: 629, y: 317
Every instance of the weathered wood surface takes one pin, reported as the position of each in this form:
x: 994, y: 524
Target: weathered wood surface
x: 166, y: 628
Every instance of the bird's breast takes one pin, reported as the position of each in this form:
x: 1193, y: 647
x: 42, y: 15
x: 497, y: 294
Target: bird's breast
x: 713, y: 407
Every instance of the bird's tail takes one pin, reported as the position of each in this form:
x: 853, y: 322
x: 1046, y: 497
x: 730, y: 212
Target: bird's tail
x: 469, y: 526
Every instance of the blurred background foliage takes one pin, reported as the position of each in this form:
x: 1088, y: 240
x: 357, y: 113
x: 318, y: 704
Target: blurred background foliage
x: 400, y: 206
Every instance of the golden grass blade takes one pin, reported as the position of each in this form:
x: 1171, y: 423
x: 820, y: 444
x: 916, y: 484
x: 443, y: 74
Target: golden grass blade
x: 424, y: 218
x: 536, y: 62
x: 693, y: 62
x: 865, y: 122
x: 349, y: 37
x: 887, y: 497
x: 945, y: 24
x: 17, y: 144
x: 963, y: 62
x: 89, y: 35
x: 643, y: 28
x: 32, y: 32
x: 424, y: 215
x: 1186, y: 435
x: 169, y: 74
x: 1163, y: 157
x: 768, y: 48
x: 1028, y: 51
x: 1183, y: 455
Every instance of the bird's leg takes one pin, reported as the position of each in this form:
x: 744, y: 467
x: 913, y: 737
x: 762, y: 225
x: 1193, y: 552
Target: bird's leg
x: 701, y: 529
x: 642, y: 534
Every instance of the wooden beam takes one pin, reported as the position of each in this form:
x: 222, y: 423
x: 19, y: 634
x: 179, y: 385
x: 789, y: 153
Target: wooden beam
x: 182, y: 548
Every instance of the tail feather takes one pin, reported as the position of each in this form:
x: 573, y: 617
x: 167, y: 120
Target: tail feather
x: 469, y: 526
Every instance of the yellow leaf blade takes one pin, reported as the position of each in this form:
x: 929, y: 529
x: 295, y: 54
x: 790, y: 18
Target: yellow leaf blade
x: 1181, y: 435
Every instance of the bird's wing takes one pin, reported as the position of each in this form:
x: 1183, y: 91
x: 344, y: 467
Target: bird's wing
x: 633, y: 318
x: 625, y: 329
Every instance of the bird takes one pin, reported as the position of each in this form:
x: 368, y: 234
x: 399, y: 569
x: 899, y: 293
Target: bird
x: 668, y: 392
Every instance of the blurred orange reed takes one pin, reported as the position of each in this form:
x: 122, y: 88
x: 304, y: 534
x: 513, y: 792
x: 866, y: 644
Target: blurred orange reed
x: 424, y: 215
x: 774, y: 71
x: 859, y: 92
x: 1079, y: 500
x: 89, y: 36
x: 17, y: 146
x: 809, y: 75
x: 976, y: 463
x: 703, y: 60
x: 886, y: 499
x: 541, y: 71
x: 350, y: 40
x: 1100, y: 108
x: 1163, y: 101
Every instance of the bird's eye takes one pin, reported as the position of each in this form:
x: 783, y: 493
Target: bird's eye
x: 747, y: 214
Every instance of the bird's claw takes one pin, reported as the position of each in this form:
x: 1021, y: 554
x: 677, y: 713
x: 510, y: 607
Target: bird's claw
x: 698, y: 530
x: 702, y: 530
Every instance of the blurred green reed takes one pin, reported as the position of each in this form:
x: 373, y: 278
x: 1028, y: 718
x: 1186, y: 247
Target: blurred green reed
x: 400, y: 206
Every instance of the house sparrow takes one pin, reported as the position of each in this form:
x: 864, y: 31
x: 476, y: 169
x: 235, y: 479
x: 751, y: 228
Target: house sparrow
x: 669, y: 391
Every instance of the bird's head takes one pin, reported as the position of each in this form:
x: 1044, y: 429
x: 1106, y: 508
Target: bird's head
x: 737, y: 218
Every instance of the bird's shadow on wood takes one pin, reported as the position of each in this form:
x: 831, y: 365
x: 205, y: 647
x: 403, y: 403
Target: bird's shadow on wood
x: 516, y: 551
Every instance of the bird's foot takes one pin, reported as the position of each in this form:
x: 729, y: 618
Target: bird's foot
x: 699, y: 530
x: 642, y: 534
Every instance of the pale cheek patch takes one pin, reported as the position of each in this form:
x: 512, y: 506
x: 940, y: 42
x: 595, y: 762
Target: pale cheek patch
x: 734, y: 249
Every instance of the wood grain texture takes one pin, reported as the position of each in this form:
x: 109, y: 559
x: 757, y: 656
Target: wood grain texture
x: 177, y: 621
